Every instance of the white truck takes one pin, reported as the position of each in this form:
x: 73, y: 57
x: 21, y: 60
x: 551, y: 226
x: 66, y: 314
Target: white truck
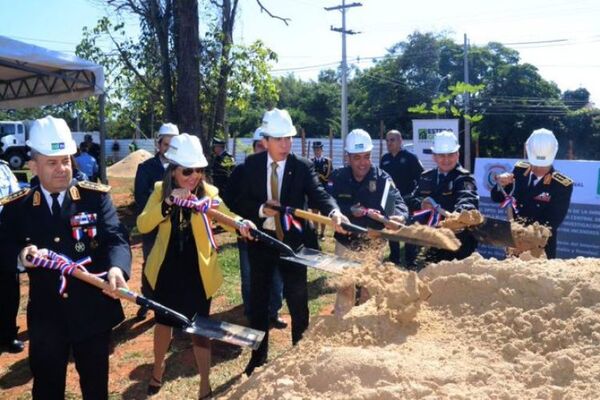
x: 13, y: 135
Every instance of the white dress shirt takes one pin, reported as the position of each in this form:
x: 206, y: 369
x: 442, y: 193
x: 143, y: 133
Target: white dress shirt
x: 48, y: 197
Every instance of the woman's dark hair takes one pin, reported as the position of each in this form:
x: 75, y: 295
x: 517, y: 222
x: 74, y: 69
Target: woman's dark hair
x: 169, y: 183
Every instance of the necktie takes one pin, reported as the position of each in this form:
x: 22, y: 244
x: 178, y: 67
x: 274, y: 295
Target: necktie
x: 55, y: 205
x: 275, y: 196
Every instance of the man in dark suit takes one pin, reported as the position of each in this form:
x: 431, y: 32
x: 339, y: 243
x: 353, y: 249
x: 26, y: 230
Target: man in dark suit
x: 148, y: 173
x: 541, y: 193
x: 76, y: 219
x: 278, y: 177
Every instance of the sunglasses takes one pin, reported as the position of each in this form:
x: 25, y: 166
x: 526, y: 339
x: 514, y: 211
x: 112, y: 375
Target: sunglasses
x: 189, y: 171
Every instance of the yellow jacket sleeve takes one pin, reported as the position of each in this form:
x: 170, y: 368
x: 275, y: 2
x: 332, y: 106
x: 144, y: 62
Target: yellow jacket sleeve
x: 152, y: 215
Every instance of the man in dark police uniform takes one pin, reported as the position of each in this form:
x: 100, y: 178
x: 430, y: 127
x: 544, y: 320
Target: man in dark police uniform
x: 75, y: 219
x: 541, y: 193
x: 451, y: 187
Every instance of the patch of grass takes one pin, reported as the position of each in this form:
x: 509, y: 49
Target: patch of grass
x: 229, y: 261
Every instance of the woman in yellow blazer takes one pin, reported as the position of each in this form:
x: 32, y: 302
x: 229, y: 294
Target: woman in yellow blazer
x: 182, y: 266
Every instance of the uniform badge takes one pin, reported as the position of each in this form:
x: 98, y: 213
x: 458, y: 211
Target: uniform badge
x: 79, y: 247
x: 450, y: 185
x: 372, y: 186
x: 74, y: 193
x: 469, y: 186
x: 94, y: 244
x: 37, y: 199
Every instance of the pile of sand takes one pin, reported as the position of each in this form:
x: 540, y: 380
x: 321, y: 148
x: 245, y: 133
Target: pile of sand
x: 127, y: 167
x: 475, y: 328
x: 531, y: 238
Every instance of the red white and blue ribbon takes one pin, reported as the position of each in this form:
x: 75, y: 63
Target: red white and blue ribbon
x: 434, y: 216
x: 201, y: 206
x: 509, y: 200
x: 289, y: 220
x: 64, y: 265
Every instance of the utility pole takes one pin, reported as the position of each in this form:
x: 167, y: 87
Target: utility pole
x: 344, y: 32
x: 467, y: 151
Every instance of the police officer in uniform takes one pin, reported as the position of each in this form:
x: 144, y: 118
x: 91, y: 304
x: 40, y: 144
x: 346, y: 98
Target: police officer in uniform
x: 323, y: 168
x: 222, y: 166
x: 76, y: 219
x: 450, y: 186
x: 148, y: 173
x: 405, y: 169
x: 9, y: 277
x: 363, y: 184
x: 542, y: 194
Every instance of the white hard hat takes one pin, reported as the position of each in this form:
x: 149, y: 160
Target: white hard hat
x: 257, y: 134
x: 542, y: 147
x: 278, y: 124
x: 358, y: 141
x: 168, y: 129
x: 51, y: 137
x: 185, y: 150
x: 445, y: 142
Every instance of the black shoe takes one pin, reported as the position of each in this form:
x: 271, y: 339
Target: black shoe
x: 277, y: 323
x: 141, y: 313
x: 14, y: 346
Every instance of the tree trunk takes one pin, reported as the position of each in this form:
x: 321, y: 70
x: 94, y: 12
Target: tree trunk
x: 160, y: 22
x: 187, y: 48
x: 227, y: 22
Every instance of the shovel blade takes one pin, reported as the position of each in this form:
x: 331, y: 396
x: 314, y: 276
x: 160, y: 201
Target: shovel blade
x: 325, y: 262
x: 495, y: 232
x: 441, y: 243
x: 226, y: 332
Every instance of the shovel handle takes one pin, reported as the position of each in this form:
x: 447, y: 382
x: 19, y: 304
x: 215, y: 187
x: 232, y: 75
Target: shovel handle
x: 318, y: 218
x: 126, y: 294
x: 379, y: 217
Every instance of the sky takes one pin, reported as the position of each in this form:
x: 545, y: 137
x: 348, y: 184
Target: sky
x: 561, y: 38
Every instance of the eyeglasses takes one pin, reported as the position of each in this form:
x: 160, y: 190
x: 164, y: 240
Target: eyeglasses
x: 189, y: 171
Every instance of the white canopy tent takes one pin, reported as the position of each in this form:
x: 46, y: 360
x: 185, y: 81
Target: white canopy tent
x: 32, y: 76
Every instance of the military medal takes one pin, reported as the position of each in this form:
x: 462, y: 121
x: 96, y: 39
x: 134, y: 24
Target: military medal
x: 79, y: 247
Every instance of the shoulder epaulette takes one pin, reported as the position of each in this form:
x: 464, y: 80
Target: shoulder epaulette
x: 522, y: 164
x: 463, y: 170
x: 3, y: 162
x: 14, y: 196
x: 99, y: 187
x: 562, y: 179
x: 429, y: 171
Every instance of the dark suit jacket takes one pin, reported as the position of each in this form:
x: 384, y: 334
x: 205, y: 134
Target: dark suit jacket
x: 300, y: 185
x: 86, y: 311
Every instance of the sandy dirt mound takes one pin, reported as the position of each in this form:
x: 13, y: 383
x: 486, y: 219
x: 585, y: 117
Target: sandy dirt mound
x: 532, y: 238
x: 467, y: 329
x: 127, y: 167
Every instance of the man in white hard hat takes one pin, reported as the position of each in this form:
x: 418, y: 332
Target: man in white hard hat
x: 148, y: 173
x: 76, y: 220
x: 9, y: 278
x: 451, y: 187
x: 541, y: 193
x: 362, y: 185
x: 279, y: 177
x: 230, y: 197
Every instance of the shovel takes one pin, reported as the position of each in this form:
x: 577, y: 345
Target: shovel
x: 492, y: 231
x: 305, y: 256
x: 395, y: 236
x: 201, y: 326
